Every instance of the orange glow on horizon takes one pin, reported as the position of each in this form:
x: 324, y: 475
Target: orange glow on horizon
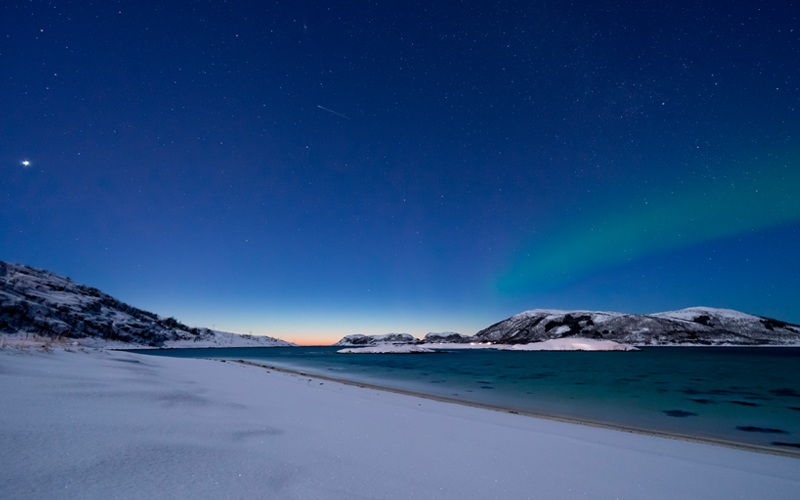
x: 312, y: 340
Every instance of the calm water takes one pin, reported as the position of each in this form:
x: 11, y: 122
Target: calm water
x: 746, y: 395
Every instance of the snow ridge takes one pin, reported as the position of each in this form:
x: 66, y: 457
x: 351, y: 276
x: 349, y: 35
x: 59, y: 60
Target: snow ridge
x: 41, y: 303
x: 692, y: 326
x: 447, y: 337
x: 374, y: 340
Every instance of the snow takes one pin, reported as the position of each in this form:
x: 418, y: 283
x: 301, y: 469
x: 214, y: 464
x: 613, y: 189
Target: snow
x: 573, y: 344
x: 94, y: 424
x: 389, y: 337
x: 39, y: 302
x: 563, y: 344
x: 57, y: 307
x: 386, y: 349
x: 561, y: 330
x: 216, y: 339
x: 558, y: 312
x: 691, y: 313
x: 693, y: 326
x: 410, y: 348
x: 433, y: 337
x: 359, y: 339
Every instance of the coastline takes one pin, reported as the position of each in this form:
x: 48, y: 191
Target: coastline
x: 556, y: 418
x: 93, y: 424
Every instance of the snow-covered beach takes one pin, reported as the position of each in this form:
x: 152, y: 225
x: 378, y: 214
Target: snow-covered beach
x: 103, y: 424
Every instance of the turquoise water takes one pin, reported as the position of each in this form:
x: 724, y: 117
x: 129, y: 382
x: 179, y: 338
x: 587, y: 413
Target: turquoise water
x: 745, y: 395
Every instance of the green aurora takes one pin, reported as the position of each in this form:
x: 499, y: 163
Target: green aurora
x: 621, y: 232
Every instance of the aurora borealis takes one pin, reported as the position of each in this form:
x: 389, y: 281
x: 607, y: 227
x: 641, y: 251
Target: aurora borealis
x: 621, y: 231
x: 309, y: 170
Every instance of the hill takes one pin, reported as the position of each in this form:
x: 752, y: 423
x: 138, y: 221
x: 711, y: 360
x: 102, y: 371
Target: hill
x: 34, y: 302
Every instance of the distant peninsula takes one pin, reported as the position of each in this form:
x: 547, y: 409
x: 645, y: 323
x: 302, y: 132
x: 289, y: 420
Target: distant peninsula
x: 695, y: 326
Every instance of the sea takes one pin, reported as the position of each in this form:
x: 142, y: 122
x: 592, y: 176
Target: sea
x: 745, y: 396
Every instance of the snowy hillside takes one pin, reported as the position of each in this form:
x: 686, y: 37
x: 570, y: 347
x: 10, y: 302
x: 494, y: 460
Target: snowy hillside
x: 447, y: 337
x: 403, y: 338
x: 694, y: 326
x: 39, y: 303
x: 372, y: 340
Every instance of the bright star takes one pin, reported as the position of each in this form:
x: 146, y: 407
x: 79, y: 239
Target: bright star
x: 25, y: 163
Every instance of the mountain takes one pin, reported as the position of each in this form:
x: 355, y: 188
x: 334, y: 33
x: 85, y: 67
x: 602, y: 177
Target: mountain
x: 403, y: 338
x: 447, y: 337
x: 373, y: 340
x: 693, y: 326
x: 41, y: 303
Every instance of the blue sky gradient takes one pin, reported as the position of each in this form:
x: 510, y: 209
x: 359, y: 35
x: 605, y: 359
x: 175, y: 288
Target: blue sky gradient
x: 314, y: 169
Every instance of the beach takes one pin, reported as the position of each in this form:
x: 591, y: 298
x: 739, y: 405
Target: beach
x: 92, y: 423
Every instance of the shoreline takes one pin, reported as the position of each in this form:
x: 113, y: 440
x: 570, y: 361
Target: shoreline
x: 557, y: 418
x: 89, y: 424
x: 450, y: 346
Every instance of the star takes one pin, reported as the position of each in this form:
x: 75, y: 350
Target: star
x: 26, y: 163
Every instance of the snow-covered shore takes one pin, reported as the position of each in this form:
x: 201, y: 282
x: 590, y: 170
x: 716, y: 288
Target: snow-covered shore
x: 387, y: 349
x: 100, y: 424
x: 215, y: 338
x: 566, y: 344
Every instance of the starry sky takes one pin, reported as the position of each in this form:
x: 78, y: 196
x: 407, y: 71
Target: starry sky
x: 311, y: 169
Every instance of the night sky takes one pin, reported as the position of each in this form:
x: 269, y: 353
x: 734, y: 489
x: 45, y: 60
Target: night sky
x: 310, y: 169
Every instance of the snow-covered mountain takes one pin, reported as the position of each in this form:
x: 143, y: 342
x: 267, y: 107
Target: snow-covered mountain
x: 696, y: 325
x: 403, y: 338
x: 41, y: 303
x: 372, y: 340
x: 447, y: 337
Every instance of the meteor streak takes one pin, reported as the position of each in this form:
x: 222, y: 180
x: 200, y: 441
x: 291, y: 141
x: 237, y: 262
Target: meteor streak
x: 332, y: 111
